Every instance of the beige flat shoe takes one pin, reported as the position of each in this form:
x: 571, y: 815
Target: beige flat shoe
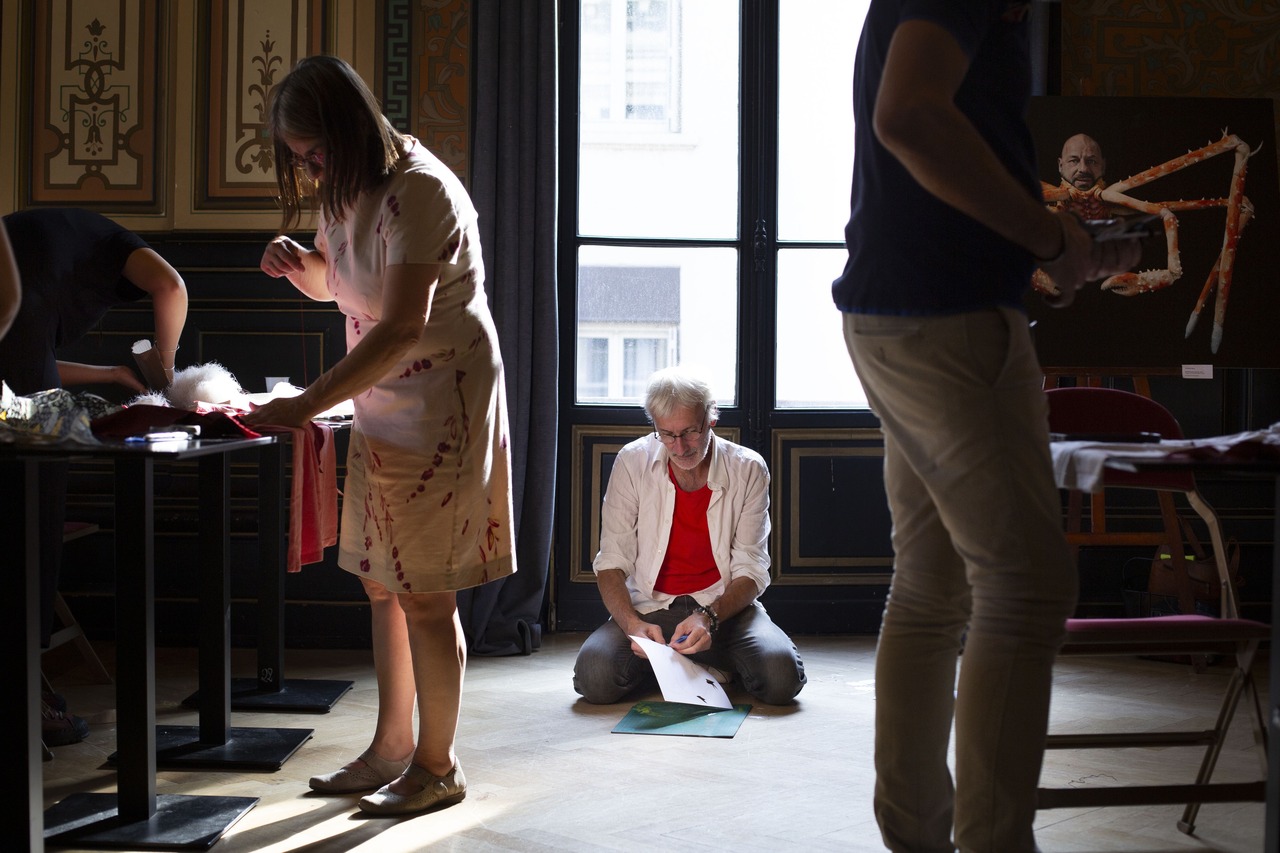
x: 375, y: 773
x: 436, y: 791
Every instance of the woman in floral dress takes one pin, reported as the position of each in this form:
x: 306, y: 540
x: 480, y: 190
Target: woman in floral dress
x: 427, y: 498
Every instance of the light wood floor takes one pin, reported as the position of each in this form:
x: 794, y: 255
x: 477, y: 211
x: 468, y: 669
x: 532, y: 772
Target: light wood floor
x: 546, y: 774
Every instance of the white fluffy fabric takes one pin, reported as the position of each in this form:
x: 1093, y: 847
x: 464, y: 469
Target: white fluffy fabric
x: 151, y: 398
x: 200, y: 383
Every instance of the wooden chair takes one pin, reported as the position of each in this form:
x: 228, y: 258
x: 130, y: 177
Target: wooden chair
x: 1105, y: 410
x: 71, y: 632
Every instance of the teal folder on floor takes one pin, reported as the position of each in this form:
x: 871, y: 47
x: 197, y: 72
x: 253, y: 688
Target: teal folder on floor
x: 678, y: 718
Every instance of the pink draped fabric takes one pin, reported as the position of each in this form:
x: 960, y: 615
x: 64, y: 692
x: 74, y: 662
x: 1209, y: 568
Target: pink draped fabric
x: 313, y: 497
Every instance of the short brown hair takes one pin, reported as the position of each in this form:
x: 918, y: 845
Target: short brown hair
x: 323, y: 98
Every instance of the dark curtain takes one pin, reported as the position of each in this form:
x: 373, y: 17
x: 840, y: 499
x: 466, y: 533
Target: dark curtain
x: 514, y: 189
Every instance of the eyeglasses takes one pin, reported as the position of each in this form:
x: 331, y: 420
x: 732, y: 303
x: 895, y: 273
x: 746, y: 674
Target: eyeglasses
x: 688, y: 435
x: 314, y: 157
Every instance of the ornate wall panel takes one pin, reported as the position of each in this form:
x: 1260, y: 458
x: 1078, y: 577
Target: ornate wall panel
x: 443, y: 85
x: 153, y: 111
x: 250, y: 46
x: 96, y: 132
x: 1196, y: 48
x: 831, y: 522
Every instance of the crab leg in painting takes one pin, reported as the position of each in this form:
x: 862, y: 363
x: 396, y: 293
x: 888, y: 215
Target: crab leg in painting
x: 1107, y: 200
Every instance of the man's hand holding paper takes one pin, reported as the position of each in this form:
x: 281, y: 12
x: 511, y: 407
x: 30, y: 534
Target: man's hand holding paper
x: 680, y: 679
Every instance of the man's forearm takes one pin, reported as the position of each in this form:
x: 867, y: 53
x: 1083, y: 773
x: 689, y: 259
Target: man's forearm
x: 917, y: 120
x: 737, y: 597
x: 616, y: 597
x: 74, y: 373
x: 170, y: 308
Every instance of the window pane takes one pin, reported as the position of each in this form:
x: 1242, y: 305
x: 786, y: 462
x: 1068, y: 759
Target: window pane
x: 593, y: 366
x: 814, y: 371
x: 640, y: 358
x: 653, y: 308
x: 815, y: 116
x: 658, y: 124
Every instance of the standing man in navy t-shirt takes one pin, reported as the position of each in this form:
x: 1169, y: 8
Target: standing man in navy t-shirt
x: 947, y: 223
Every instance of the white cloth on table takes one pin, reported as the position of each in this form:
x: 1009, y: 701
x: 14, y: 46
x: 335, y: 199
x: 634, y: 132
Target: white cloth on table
x: 1079, y: 464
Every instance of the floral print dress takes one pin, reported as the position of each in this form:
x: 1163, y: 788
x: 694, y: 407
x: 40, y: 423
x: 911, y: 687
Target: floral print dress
x: 427, y: 497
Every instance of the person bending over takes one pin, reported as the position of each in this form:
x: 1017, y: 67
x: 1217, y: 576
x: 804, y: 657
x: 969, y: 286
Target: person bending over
x: 74, y: 265
x: 427, y: 499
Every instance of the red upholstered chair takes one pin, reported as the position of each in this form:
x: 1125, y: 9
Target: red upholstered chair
x: 1105, y: 410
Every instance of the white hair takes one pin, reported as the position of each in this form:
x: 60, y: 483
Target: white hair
x: 673, y: 387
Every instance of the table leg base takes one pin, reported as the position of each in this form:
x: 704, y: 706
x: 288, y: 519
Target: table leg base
x: 305, y: 695
x: 181, y: 822
x: 180, y: 748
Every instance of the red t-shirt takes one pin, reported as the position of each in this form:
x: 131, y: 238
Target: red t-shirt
x: 689, y: 565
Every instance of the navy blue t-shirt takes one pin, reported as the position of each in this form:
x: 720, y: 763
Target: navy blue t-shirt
x: 909, y: 252
x: 71, y: 263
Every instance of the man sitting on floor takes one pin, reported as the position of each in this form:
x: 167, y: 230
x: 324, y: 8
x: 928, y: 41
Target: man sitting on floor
x: 684, y: 555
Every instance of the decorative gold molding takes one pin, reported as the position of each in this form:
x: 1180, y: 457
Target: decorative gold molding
x: 582, y: 478
x: 167, y: 129
x: 794, y: 559
x: 344, y: 28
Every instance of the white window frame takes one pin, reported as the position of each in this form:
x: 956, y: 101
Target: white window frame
x: 617, y: 334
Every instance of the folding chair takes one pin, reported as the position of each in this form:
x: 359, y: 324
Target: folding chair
x: 1105, y: 410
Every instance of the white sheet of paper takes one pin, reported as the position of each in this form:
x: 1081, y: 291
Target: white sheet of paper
x: 682, y: 680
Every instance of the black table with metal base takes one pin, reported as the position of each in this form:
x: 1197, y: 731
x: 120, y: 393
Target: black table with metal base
x: 270, y: 690
x: 135, y: 817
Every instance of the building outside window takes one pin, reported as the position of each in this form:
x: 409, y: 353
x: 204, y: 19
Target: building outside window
x: 732, y: 204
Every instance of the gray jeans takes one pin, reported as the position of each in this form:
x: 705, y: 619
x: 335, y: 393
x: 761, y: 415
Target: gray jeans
x: 759, y: 654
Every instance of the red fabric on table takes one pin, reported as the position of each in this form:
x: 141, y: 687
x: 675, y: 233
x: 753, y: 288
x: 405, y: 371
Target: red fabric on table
x: 137, y: 419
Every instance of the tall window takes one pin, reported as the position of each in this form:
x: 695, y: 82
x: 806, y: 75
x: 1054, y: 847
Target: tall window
x: 690, y: 207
